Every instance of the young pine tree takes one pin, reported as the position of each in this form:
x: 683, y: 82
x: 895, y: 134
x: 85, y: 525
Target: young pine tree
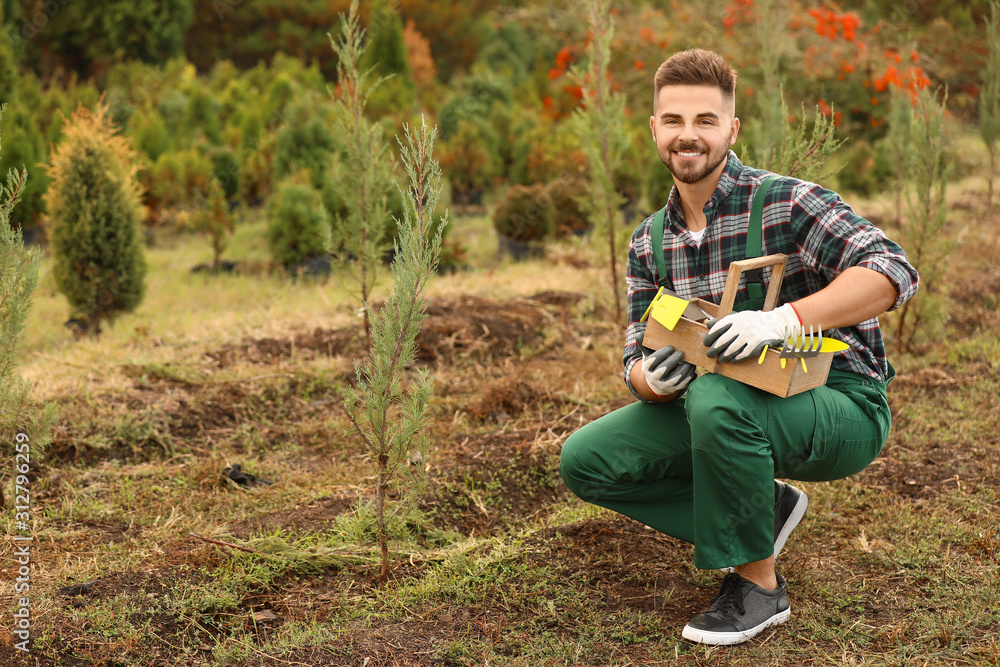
x: 367, y: 163
x: 385, y: 55
x: 20, y: 421
x: 801, y: 150
x: 771, y: 114
x: 94, y: 213
x: 603, y: 122
x: 387, y: 411
x: 925, y: 235
x: 386, y: 50
x: 898, y: 143
x: 989, y: 98
x: 805, y: 148
x: 214, y: 220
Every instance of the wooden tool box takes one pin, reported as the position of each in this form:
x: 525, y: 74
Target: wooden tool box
x: 782, y: 377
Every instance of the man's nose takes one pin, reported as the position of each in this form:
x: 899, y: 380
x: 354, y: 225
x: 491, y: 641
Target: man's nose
x: 688, y: 133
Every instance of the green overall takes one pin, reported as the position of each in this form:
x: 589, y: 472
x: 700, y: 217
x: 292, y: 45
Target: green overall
x: 702, y: 468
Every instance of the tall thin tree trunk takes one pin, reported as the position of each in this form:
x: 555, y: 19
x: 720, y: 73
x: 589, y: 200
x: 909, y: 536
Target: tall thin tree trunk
x: 380, y: 525
x: 614, y: 277
x: 611, y: 196
x: 364, y: 295
x: 899, y: 201
x: 368, y: 330
x: 612, y: 223
x: 901, y: 328
x: 989, y: 187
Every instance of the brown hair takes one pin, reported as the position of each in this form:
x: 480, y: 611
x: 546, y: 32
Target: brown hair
x: 696, y: 67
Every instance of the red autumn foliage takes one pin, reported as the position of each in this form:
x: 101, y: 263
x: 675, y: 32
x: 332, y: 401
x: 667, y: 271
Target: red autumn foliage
x: 564, y: 59
x: 830, y: 24
x: 911, y: 79
x: 738, y: 11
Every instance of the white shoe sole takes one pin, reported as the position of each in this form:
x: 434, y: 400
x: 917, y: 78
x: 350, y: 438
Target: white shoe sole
x: 730, y: 638
x: 798, y: 511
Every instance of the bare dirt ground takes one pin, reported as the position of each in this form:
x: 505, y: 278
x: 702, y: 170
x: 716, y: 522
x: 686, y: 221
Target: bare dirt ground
x: 512, y: 380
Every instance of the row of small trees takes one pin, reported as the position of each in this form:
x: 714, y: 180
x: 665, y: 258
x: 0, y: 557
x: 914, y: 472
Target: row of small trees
x: 503, y: 120
x: 98, y: 263
x: 330, y: 196
x: 319, y: 193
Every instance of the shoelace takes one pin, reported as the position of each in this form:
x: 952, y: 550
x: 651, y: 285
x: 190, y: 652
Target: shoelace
x: 730, y: 595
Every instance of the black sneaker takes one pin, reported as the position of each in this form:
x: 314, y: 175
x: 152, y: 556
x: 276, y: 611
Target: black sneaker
x: 741, y: 610
x: 789, y: 508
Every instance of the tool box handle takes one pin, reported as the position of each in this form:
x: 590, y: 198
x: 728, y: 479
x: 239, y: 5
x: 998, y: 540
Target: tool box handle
x: 778, y: 261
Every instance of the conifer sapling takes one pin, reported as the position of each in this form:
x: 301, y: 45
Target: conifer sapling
x: 388, y: 408
x: 602, y: 121
x: 360, y: 236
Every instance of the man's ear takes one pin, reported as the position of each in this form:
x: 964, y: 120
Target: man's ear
x: 736, y: 131
x: 652, y: 127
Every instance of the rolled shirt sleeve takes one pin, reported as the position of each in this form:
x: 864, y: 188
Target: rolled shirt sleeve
x: 836, y: 238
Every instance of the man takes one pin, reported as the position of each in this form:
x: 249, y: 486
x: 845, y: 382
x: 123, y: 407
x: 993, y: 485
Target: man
x: 698, y: 457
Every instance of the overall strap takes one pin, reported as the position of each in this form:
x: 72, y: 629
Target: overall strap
x: 657, y: 238
x: 755, y: 285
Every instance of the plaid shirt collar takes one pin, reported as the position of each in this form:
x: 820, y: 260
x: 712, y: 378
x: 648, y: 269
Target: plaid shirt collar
x: 728, y: 179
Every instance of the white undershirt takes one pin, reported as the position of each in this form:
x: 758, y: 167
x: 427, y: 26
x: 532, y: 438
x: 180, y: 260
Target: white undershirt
x: 697, y: 236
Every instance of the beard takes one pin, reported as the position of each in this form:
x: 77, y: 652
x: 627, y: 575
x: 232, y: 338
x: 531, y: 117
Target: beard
x: 690, y: 173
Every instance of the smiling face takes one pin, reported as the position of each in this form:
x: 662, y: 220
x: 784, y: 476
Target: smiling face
x: 693, y: 128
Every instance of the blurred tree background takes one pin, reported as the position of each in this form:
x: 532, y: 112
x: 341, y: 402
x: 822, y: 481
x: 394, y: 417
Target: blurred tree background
x: 230, y: 98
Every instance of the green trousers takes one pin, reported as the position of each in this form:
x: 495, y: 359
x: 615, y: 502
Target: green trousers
x: 702, y: 468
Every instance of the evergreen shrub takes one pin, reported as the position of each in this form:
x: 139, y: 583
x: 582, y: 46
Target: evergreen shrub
x: 202, y: 115
x: 172, y: 107
x: 568, y: 215
x: 385, y: 54
x: 150, y: 134
x: 483, y: 93
x: 94, y: 213
x: 509, y: 52
x: 226, y: 170
x: 214, y: 220
x: 305, y: 141
x: 470, y: 160
x: 545, y: 151
x: 23, y: 147
x: 866, y: 169
x: 177, y: 178
x: 279, y: 94
x: 250, y: 122
x: 525, y: 214
x: 256, y: 168
x: 298, y: 224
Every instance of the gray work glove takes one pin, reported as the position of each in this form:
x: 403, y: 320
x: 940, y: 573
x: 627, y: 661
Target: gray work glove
x: 665, y: 370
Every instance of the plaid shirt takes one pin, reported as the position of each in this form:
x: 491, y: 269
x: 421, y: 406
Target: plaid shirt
x: 821, y: 235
